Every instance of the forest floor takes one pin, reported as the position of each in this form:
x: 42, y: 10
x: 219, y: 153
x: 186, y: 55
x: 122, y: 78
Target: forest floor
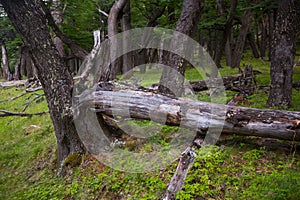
x: 236, y: 168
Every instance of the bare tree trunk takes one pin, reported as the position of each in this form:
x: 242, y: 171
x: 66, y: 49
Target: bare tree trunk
x: 171, y: 82
x: 251, y: 40
x: 112, y: 22
x: 228, y: 51
x: 271, y: 17
x: 219, y: 45
x: 263, y: 43
x: 126, y: 25
x: 240, y: 42
x: 226, y: 40
x: 30, y: 22
x: 283, y: 54
x: 7, y: 75
x: 17, y: 74
x: 56, y: 12
x: 1, y: 72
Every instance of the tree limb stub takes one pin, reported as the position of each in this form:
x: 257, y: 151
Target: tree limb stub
x: 196, y: 114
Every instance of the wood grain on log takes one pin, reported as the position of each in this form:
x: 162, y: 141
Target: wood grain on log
x: 196, y: 114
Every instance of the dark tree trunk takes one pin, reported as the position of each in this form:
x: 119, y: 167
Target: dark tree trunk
x: 29, y: 20
x: 171, y: 81
x: 141, y: 57
x: 263, y: 43
x: 17, y: 74
x: 240, y: 42
x: 283, y: 54
x: 219, y: 45
x: 226, y: 42
x: 7, y: 75
x: 126, y: 25
x: 251, y: 40
x: 26, y: 64
x: 1, y: 72
x: 271, y: 17
x: 218, y: 48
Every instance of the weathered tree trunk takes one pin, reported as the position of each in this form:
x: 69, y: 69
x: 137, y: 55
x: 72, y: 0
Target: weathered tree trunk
x: 112, y: 22
x: 197, y: 115
x: 173, y: 77
x: 283, y: 54
x: 17, y: 74
x: 7, y: 75
x: 29, y: 20
x: 125, y: 24
x: 56, y: 12
x: 240, y: 42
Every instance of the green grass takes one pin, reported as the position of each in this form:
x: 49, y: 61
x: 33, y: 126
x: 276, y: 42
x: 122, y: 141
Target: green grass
x: 242, y: 168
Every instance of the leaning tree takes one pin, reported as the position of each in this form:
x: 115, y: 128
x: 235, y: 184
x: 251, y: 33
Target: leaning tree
x: 29, y: 19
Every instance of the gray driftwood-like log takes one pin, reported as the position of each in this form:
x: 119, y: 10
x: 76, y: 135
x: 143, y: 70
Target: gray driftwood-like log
x: 195, y: 114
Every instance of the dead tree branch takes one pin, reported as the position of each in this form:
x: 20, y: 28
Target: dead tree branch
x: 5, y: 113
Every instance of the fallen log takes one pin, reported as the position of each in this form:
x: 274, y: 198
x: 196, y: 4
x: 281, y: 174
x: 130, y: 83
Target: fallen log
x: 9, y: 84
x: 228, y: 81
x: 6, y: 113
x: 195, y: 114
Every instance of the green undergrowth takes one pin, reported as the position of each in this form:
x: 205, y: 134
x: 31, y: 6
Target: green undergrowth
x: 236, y: 168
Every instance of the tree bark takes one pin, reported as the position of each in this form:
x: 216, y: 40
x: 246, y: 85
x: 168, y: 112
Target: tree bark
x: 29, y: 20
x: 225, y: 42
x: 56, y: 12
x: 283, y: 54
x: 7, y: 75
x: 112, y: 22
x: 126, y: 25
x: 172, y: 77
x: 251, y: 40
x: 240, y: 42
x: 271, y: 18
x: 263, y: 43
x: 17, y: 74
x: 196, y: 115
